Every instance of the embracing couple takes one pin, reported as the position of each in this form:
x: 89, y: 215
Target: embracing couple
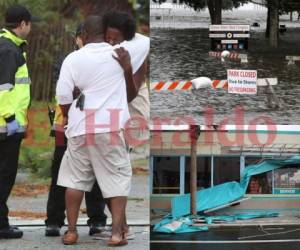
x: 107, y: 77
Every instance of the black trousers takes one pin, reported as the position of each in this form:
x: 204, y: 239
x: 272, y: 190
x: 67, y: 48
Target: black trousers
x: 9, y: 156
x: 56, y: 201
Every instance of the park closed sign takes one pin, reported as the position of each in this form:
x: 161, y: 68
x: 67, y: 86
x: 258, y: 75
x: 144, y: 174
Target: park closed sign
x: 242, y: 81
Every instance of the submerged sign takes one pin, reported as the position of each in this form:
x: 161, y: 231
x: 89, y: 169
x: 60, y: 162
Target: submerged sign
x: 242, y: 81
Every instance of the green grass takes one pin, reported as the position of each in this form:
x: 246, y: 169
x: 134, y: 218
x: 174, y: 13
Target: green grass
x: 37, y: 149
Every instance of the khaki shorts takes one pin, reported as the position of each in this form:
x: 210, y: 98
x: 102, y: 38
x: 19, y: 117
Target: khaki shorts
x: 103, y: 157
x: 140, y: 106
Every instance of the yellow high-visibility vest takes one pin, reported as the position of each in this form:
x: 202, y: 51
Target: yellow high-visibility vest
x: 15, y: 100
x: 58, y: 124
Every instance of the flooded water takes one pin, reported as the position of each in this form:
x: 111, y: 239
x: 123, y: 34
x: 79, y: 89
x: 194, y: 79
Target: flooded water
x: 182, y: 54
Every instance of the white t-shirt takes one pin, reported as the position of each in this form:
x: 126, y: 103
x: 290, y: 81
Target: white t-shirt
x: 101, y: 79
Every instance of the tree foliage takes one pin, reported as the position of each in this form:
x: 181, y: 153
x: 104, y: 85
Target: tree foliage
x: 289, y: 6
x: 142, y: 9
x: 43, y: 8
x: 53, y: 36
x: 214, y: 6
x: 201, y: 4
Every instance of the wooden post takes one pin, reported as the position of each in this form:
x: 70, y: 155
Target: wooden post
x: 194, y: 135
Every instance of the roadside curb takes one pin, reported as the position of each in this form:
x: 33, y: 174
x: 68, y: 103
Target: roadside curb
x: 81, y: 222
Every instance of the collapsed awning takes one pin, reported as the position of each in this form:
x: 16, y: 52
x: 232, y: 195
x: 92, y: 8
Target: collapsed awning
x: 227, y: 192
x: 218, y: 196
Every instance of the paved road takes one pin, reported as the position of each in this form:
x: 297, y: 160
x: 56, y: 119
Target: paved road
x: 34, y: 239
x: 264, y: 238
x: 245, y: 246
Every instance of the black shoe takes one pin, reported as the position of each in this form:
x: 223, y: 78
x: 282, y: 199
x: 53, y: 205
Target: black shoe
x: 96, y: 228
x: 11, y: 232
x: 52, y: 231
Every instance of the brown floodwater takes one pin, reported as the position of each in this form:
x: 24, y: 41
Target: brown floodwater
x: 182, y: 54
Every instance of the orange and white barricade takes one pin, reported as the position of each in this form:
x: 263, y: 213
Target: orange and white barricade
x: 215, y: 53
x: 292, y: 59
x: 169, y: 85
x: 234, y: 55
x: 203, y: 82
x: 219, y: 84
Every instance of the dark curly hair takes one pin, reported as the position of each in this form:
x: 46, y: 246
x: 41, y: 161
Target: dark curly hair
x: 122, y: 21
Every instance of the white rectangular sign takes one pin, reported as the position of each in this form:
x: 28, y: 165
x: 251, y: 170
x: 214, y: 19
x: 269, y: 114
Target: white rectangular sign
x: 242, y: 81
x: 229, y: 41
x: 217, y: 35
x: 229, y: 27
x: 295, y: 58
x: 241, y: 35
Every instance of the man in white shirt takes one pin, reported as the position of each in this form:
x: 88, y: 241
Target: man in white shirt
x: 120, y: 26
x: 96, y: 145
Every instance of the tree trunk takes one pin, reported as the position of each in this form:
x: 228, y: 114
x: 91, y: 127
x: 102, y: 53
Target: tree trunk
x: 218, y: 10
x: 268, y: 23
x: 274, y: 21
x: 215, y: 11
x: 291, y: 16
x: 210, y: 5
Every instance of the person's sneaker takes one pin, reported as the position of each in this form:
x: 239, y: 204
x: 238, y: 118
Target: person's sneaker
x: 11, y: 232
x: 96, y: 228
x: 52, y: 231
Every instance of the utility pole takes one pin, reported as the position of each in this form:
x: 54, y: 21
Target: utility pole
x: 194, y: 135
